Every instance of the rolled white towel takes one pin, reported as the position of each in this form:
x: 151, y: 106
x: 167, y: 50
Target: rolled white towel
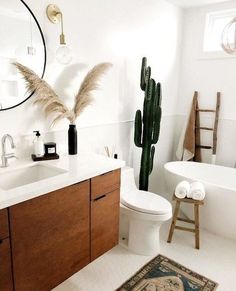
x: 197, y: 191
x: 182, y: 189
x: 189, y: 193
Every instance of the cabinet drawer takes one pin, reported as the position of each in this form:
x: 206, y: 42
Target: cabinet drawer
x: 4, y: 231
x: 6, y: 283
x: 104, y: 223
x: 105, y: 183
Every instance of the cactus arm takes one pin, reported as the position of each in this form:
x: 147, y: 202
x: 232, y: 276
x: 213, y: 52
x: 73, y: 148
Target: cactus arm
x: 158, y: 94
x: 138, y: 129
x: 148, y: 110
x: 150, y: 88
x: 148, y: 74
x: 151, y: 159
x: 156, y: 125
x: 143, y: 74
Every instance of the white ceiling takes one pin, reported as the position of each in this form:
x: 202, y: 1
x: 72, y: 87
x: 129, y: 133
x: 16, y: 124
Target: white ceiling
x: 194, y: 3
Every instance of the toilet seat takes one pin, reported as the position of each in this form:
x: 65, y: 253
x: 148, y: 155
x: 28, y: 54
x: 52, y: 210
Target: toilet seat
x: 146, y: 202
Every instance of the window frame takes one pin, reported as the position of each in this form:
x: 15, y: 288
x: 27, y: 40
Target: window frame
x: 210, y: 18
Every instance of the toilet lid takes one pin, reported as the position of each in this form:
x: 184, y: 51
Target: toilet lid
x: 146, y: 202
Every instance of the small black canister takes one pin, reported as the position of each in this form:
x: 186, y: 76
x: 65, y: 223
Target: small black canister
x: 50, y: 148
x: 72, y: 139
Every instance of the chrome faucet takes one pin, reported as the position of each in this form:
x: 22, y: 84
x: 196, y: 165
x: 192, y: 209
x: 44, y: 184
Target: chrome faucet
x: 6, y: 156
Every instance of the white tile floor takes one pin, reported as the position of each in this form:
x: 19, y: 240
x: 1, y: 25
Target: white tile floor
x: 216, y: 259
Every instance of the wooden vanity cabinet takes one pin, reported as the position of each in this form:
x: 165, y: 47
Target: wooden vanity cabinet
x: 45, y: 240
x: 6, y: 283
x: 105, y: 208
x: 50, y: 237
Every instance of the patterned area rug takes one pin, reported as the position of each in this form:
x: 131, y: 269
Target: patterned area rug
x: 163, y: 274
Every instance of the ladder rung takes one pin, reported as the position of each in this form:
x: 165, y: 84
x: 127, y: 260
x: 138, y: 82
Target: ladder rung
x: 205, y: 110
x: 205, y: 128
x: 204, y: 147
x: 186, y: 220
x: 184, y: 228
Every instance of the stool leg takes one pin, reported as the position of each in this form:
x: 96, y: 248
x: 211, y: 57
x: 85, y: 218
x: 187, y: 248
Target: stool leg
x: 176, y: 212
x: 197, y: 233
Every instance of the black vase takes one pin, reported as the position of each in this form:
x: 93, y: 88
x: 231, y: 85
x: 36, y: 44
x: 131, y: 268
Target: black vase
x: 72, y: 139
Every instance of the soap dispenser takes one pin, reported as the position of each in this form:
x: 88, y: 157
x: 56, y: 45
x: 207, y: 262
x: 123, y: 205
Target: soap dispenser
x: 38, y: 145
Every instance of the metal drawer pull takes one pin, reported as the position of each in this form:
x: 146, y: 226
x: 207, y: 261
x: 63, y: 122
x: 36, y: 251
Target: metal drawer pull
x: 103, y: 196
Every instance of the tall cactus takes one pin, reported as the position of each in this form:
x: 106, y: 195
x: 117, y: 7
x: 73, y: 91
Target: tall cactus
x: 147, y: 128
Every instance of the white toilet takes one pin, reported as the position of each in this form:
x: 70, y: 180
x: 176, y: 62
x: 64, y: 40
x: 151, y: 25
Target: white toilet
x: 141, y: 216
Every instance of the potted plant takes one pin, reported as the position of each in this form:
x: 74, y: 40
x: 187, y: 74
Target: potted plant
x: 53, y: 105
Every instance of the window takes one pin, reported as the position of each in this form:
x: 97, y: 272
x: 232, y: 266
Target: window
x: 215, y: 24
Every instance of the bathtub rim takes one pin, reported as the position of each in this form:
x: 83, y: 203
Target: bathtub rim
x: 202, y: 180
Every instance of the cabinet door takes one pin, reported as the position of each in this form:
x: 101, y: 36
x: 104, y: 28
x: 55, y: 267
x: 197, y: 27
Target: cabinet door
x: 6, y: 283
x: 104, y: 223
x: 50, y: 237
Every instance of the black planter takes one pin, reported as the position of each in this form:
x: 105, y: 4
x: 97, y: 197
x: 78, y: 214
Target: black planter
x: 72, y: 139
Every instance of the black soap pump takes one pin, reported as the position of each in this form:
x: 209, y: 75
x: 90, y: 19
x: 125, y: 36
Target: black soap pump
x: 38, y: 144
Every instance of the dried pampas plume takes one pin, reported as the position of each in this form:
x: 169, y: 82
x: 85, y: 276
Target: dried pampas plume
x: 89, y: 84
x: 49, y: 100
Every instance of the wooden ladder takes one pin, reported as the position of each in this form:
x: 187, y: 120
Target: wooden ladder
x: 198, y: 128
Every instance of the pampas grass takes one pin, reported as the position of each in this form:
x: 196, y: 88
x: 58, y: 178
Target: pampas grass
x: 89, y: 84
x: 50, y: 101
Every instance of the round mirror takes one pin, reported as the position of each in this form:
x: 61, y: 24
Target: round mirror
x: 21, y: 40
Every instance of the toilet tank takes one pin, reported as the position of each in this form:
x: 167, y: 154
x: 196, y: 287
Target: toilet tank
x: 127, y: 179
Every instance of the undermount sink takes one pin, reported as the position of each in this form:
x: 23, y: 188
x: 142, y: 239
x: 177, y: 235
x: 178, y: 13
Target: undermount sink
x: 28, y: 175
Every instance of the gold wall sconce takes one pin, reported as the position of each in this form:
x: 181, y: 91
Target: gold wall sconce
x: 63, y: 53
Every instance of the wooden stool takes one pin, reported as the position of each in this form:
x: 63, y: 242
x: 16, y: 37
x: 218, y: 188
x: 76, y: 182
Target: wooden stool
x: 196, y: 204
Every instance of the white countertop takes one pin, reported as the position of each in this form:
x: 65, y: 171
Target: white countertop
x: 79, y: 168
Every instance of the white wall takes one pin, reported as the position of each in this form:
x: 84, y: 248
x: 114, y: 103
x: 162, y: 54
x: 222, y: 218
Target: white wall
x: 121, y: 32
x: 208, y: 76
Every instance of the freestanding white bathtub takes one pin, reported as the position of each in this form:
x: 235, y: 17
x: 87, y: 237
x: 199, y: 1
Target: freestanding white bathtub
x: 218, y: 214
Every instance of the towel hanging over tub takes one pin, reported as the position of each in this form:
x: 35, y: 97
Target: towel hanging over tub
x: 186, y: 146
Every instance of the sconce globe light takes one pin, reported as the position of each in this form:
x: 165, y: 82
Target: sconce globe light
x: 63, y: 53
x: 229, y: 37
